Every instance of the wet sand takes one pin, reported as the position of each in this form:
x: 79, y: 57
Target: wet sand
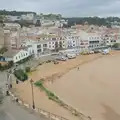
x: 94, y: 89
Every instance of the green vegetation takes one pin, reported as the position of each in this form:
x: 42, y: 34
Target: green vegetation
x: 21, y: 75
x: 3, y: 50
x: 116, y: 45
x: 51, y: 16
x: 50, y: 95
x: 92, y: 21
x: 6, y: 66
x: 14, y: 13
x: 27, y: 69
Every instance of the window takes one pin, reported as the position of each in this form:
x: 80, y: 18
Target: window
x: 44, y: 45
x: 39, y: 51
x: 38, y: 46
x: 73, y: 45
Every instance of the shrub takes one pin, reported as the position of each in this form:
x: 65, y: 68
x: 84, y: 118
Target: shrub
x: 116, y: 45
x: 3, y: 50
x: 6, y: 66
x: 50, y: 94
x: 27, y: 69
x: 38, y: 83
x: 21, y: 75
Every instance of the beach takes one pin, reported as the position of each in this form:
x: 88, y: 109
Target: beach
x: 93, y: 89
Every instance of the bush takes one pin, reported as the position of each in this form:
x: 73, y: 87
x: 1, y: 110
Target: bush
x: 10, y: 64
x: 3, y: 50
x: 116, y: 45
x: 40, y: 84
x: 27, y: 69
x: 21, y: 75
x: 7, y: 66
x: 50, y: 94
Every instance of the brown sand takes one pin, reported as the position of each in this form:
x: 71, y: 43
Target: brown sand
x: 87, y: 89
x: 94, y: 89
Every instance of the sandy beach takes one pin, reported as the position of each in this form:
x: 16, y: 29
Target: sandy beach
x: 93, y: 89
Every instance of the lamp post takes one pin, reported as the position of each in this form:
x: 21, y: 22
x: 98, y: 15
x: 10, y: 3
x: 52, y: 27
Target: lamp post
x: 33, y: 105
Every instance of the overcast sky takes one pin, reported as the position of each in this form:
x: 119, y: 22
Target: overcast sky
x: 68, y: 8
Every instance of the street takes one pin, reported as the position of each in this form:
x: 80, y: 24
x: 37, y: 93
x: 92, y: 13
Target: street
x: 10, y: 110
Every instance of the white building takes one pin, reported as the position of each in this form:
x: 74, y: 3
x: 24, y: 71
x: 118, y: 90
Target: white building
x: 28, y: 17
x: 35, y: 48
x: 13, y: 18
x: 47, y: 23
x: 111, y: 39
x: 95, y: 41
x: 11, y: 26
x: 16, y: 55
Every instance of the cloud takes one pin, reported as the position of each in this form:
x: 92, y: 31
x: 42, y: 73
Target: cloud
x: 65, y: 7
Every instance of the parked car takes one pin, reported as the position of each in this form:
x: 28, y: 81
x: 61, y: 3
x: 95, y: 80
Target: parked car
x: 71, y: 56
x: 105, y: 52
x: 62, y: 58
x: 91, y: 52
x: 96, y: 51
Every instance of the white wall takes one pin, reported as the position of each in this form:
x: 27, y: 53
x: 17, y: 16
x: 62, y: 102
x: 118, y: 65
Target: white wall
x: 20, y: 56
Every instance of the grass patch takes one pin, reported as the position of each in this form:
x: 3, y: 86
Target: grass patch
x: 50, y: 94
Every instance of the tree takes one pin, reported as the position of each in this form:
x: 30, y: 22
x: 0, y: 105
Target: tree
x: 21, y: 75
x: 27, y: 69
x: 56, y: 47
x: 3, y: 50
x: 116, y: 45
x: 60, y: 45
x: 10, y: 64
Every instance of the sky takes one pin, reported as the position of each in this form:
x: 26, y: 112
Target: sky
x: 68, y: 8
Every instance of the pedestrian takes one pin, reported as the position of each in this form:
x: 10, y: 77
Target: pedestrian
x: 78, y: 68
